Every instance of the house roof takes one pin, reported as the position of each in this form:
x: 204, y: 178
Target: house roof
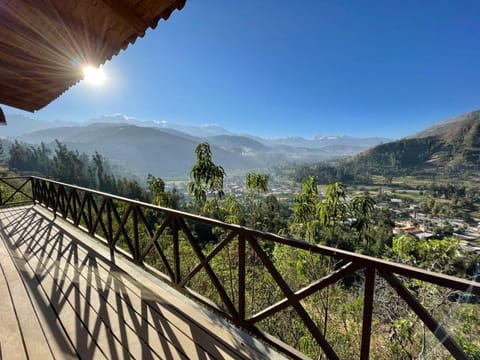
x: 44, y: 44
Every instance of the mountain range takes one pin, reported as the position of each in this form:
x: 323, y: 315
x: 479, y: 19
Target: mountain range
x: 167, y: 149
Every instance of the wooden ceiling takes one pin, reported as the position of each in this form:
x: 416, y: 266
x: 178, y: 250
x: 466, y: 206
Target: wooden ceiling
x: 44, y: 44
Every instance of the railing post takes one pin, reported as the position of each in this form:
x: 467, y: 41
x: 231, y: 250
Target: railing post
x: 30, y: 180
x: 53, y: 192
x: 136, y: 239
x: 90, y: 213
x: 110, y: 226
x: 241, y: 278
x: 367, y: 312
x: 176, y: 250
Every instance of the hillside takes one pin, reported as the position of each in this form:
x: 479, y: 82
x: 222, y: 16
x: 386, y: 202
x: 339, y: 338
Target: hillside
x: 449, y: 125
x: 167, y: 152
x: 235, y: 141
x: 329, y: 142
x: 453, y: 151
x: 138, y: 150
x: 454, y: 148
x: 18, y: 125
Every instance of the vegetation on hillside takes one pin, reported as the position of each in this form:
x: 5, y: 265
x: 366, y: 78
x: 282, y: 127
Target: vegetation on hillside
x: 455, y: 154
x: 72, y: 167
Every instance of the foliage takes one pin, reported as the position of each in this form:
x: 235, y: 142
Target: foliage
x: 455, y: 155
x: 157, y: 189
x: 72, y: 167
x: 336, y: 220
x: 206, y: 177
x: 306, y: 224
x: 256, y: 183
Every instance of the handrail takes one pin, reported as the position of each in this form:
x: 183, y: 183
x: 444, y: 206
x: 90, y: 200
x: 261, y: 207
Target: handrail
x: 98, y: 213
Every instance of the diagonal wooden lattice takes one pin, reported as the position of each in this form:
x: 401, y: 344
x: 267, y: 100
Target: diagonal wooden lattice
x: 17, y: 188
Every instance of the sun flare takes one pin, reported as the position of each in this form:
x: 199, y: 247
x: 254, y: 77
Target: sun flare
x: 94, y: 76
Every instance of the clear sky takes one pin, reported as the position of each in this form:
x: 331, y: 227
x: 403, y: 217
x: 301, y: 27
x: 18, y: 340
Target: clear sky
x: 281, y: 68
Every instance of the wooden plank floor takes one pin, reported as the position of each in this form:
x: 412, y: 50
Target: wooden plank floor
x: 61, y: 297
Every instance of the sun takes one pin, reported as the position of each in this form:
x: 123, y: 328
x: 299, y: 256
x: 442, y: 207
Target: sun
x: 94, y: 76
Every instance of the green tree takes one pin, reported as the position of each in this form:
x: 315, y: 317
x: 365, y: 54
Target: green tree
x: 156, y: 186
x: 256, y: 183
x: 361, y: 210
x: 234, y: 210
x: 104, y: 180
x: 332, y: 211
x: 2, y: 155
x: 206, y: 177
x: 304, y: 210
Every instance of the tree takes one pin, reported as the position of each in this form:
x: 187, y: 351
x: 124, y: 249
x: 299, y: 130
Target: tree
x: 361, y: 209
x: 256, y: 183
x: 234, y: 210
x: 18, y: 156
x: 2, y: 155
x: 157, y: 188
x: 332, y: 211
x: 304, y: 209
x: 68, y: 166
x: 207, y: 178
x: 104, y: 180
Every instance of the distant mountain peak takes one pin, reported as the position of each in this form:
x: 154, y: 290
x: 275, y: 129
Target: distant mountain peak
x: 114, y: 118
x: 328, y: 137
x: 161, y: 123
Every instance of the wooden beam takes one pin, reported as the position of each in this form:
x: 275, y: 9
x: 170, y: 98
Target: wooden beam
x: 302, y: 313
x: 3, y: 121
x: 23, y: 94
x: 127, y: 14
x: 369, y: 293
x: 21, y: 64
x: 55, y: 35
x: 318, y: 285
x: 442, y: 334
x: 165, y: 8
x: 18, y: 103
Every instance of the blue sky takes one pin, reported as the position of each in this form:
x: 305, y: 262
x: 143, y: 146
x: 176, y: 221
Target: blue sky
x: 281, y: 68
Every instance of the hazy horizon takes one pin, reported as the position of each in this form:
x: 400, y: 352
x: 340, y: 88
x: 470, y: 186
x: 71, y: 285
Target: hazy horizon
x: 167, y: 123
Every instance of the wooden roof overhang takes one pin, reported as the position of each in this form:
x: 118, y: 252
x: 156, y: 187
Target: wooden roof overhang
x: 44, y: 44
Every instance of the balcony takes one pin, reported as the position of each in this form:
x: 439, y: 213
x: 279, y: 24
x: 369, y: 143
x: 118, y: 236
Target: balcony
x: 90, y: 274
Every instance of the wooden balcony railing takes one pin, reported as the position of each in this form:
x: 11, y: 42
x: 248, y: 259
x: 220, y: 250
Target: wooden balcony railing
x: 163, y: 240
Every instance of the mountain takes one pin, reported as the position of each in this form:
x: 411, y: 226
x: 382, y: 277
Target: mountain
x: 138, y: 150
x: 197, y: 131
x: 236, y: 141
x: 327, y: 141
x: 167, y: 152
x: 449, y: 125
x: 80, y: 133
x: 18, y: 125
x: 167, y: 149
x: 448, y: 147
